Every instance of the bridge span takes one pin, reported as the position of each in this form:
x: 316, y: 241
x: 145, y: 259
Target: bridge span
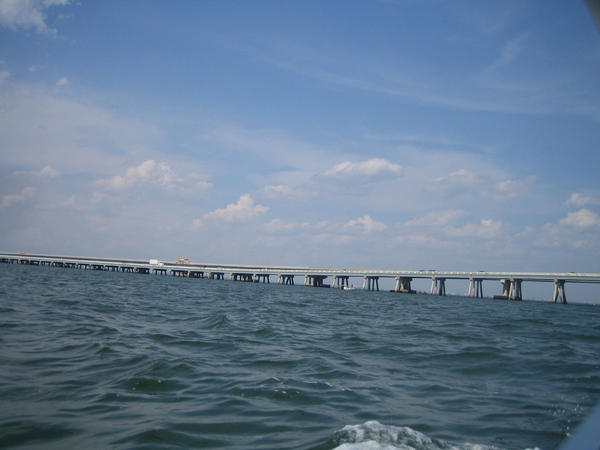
x: 511, y: 282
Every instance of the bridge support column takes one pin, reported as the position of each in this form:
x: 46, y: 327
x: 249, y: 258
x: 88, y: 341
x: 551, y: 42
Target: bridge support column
x: 475, y: 288
x: 216, y: 275
x: 559, y: 292
x: 371, y: 283
x: 403, y: 285
x: 340, y: 281
x: 514, y: 292
x: 261, y: 277
x: 438, y: 286
x: 505, y: 288
x: 285, y: 279
x: 315, y: 280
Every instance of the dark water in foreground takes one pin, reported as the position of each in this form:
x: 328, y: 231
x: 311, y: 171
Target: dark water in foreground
x: 98, y: 359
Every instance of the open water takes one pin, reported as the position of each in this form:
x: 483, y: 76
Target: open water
x: 110, y: 360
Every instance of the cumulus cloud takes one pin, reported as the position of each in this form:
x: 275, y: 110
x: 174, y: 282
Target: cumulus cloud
x: 63, y: 81
x: 277, y: 191
x: 584, y: 218
x: 47, y: 171
x: 421, y: 240
x: 27, y: 14
x: 578, y: 200
x: 332, y: 239
x: 367, y: 224
x: 243, y: 210
x: 148, y: 172
x: 280, y: 226
x: 486, y: 228
x: 11, y: 199
x: 373, y: 167
x: 509, y: 188
x: 460, y: 177
x: 436, y: 218
x: 578, y: 230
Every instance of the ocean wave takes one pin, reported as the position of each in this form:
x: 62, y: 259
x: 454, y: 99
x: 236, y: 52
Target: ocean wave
x: 373, y: 435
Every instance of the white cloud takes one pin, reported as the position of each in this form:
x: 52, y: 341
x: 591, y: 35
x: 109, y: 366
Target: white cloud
x: 332, y: 239
x: 47, y: 171
x: 368, y: 225
x: 27, y: 14
x: 200, y: 181
x: 486, y: 228
x: 584, y: 218
x: 436, y: 218
x: 11, y: 199
x: 197, y: 224
x: 578, y: 230
x: 276, y: 191
x: 63, y: 81
x: 370, y: 168
x: 509, y: 53
x: 148, y: 172
x: 243, y: 210
x: 278, y: 226
x: 509, y: 188
x: 460, y: 177
x: 578, y: 200
x: 420, y: 240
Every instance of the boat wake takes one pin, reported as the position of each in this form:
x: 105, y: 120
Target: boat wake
x: 373, y: 435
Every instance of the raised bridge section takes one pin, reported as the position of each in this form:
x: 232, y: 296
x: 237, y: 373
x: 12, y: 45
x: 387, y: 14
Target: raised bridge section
x: 511, y: 281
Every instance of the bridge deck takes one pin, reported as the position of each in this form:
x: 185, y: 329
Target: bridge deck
x: 314, y: 276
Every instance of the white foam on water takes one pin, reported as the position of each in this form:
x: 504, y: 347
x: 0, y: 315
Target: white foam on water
x: 373, y: 435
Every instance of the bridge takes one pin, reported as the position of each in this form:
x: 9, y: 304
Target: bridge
x: 511, y: 282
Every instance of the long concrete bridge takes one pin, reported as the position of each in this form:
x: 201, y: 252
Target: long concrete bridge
x: 511, y: 282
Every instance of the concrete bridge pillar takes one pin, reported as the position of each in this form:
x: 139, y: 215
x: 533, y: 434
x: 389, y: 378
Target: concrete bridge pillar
x: 438, y: 286
x: 505, y: 287
x: 314, y: 280
x: 559, y: 292
x: 403, y: 285
x: 285, y: 279
x: 475, y: 288
x: 261, y: 277
x: 371, y: 283
x: 340, y: 281
x: 216, y: 275
x: 514, y: 292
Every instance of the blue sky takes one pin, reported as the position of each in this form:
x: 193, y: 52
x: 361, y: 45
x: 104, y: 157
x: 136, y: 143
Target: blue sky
x: 380, y: 134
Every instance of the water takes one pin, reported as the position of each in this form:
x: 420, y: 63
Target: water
x: 102, y: 359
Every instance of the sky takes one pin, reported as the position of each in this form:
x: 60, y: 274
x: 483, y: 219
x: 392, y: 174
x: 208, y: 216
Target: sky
x: 381, y: 134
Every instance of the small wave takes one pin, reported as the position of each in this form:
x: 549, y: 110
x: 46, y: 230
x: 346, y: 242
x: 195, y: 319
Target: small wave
x: 214, y: 321
x: 373, y: 435
x: 150, y: 385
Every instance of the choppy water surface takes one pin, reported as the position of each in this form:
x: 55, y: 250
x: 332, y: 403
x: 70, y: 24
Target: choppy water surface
x: 99, y: 359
